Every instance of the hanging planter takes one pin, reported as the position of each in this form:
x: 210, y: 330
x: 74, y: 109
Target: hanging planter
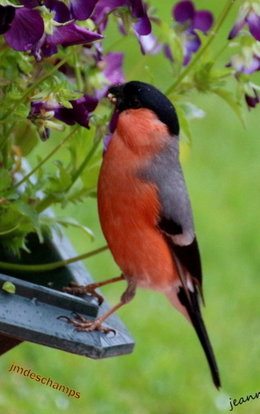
x: 31, y: 302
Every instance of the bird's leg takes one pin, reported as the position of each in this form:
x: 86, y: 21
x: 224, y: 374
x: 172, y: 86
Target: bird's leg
x: 85, y: 325
x: 75, y: 289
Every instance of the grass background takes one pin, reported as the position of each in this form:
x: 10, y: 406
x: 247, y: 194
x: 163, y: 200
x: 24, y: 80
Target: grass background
x: 167, y: 372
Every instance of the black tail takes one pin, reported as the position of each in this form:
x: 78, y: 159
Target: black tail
x: 193, y: 309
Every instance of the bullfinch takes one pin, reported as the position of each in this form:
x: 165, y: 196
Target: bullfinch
x: 145, y: 211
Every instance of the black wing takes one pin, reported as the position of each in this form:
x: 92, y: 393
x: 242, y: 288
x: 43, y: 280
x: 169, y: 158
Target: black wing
x: 176, y: 223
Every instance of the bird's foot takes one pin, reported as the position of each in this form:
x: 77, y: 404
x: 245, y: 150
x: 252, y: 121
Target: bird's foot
x: 75, y: 289
x: 84, y: 325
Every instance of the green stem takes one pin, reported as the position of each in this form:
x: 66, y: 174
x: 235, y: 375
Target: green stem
x: 33, y: 86
x: 219, y: 53
x: 50, y: 266
x: 44, y: 203
x: 210, y: 39
x: 47, y: 201
x: 84, y: 163
x: 44, y: 160
x: 6, y: 135
x: 4, y: 147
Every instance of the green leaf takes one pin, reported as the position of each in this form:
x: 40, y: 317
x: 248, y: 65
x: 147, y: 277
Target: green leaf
x: 15, y: 244
x: 90, y: 176
x: 68, y: 221
x: 9, y: 287
x: 5, y: 179
x: 60, y: 182
x: 235, y: 104
x: 184, y: 122
x: 53, y: 222
x: 26, y: 137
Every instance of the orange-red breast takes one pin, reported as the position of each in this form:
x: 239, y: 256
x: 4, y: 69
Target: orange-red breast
x: 144, y: 208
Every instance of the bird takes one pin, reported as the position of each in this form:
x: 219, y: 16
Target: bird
x: 145, y: 211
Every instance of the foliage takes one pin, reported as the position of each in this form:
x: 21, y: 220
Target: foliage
x: 54, y: 76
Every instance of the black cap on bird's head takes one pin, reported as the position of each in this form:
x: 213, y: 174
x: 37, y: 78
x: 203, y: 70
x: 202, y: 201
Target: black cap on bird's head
x: 135, y: 94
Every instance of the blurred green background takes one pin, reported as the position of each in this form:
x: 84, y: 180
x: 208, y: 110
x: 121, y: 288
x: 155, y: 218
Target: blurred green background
x: 167, y: 371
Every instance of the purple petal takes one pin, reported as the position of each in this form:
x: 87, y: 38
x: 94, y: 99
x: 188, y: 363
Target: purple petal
x: 112, y: 126
x: 254, y: 25
x: 167, y: 51
x: 71, y: 34
x: 113, y: 121
x: 138, y: 8
x: 203, y: 20
x: 193, y: 43
x: 236, y: 29
x: 26, y: 29
x: 103, y: 7
x: 184, y: 11
x: 89, y: 101
x: 191, y: 46
x: 82, y: 9
x: 36, y: 107
x: 40, y: 107
x: 79, y: 113
x: 62, y: 13
x: 252, y: 101
x: 29, y: 3
x: 46, y: 50
x: 121, y: 28
x: 186, y: 60
x: 6, y: 17
x: 149, y: 44
x: 44, y: 133
x: 143, y: 26
x: 106, y: 141
x: 254, y: 66
x: 113, y: 70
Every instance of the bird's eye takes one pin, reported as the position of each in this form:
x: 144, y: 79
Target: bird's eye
x: 135, y: 103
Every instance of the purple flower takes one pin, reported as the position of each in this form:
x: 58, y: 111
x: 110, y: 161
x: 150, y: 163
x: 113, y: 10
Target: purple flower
x: 249, y: 14
x: 248, y: 60
x: 138, y: 10
x: 191, y: 20
x: 79, y: 113
x: 6, y: 17
x: 111, y: 127
x: 67, y: 35
x: 167, y: 52
x: 252, y: 101
x: 143, y: 26
x: 244, y: 64
x: 26, y: 30
x: 149, y: 44
x: 112, y: 65
x: 82, y: 9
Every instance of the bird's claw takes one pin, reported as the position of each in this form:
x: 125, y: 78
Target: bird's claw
x: 76, y: 289
x: 84, y: 325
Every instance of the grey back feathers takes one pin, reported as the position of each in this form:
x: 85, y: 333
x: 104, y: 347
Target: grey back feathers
x: 176, y: 214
